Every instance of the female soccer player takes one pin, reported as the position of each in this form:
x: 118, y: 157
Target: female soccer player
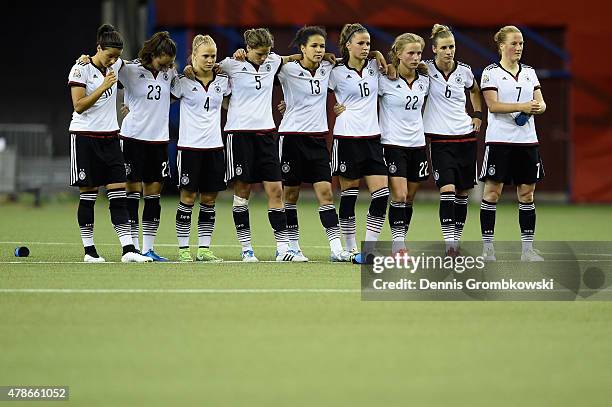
x: 304, y: 154
x: 96, y: 157
x: 452, y: 133
x: 201, y: 163
x: 512, y: 93
x: 357, y: 152
x: 251, y: 149
x: 401, y: 125
x: 145, y: 135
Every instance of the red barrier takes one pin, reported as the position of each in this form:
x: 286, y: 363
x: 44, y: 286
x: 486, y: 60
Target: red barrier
x: 587, y: 35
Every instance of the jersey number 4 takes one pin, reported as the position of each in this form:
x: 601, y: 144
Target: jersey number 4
x: 154, y: 92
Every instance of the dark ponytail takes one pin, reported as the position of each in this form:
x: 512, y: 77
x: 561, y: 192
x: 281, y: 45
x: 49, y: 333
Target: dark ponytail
x: 108, y: 37
x: 159, y: 44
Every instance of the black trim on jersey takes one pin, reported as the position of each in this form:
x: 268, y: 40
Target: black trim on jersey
x: 448, y: 138
x: 254, y: 64
x: 537, y: 87
x: 405, y: 147
x: 318, y: 134
x: 79, y: 84
x: 122, y: 137
x: 509, y: 143
x: 312, y: 73
x: 95, y: 134
x: 464, y: 65
x: 153, y: 71
x: 256, y: 132
x: 489, y: 88
x: 472, y: 87
x: 416, y: 77
x: 450, y: 73
x: 367, y: 61
x: 202, y: 83
x: 200, y: 148
x: 516, y: 78
x: 120, y: 85
x: 489, y: 67
x: 103, y: 72
x: 342, y: 136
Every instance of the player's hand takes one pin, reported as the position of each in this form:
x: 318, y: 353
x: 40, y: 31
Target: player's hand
x: 476, y: 123
x: 382, y: 64
x: 217, y: 69
x: 391, y: 72
x: 240, y: 55
x: 422, y: 68
x: 541, y: 108
x: 329, y: 57
x: 338, y: 109
x: 189, y: 72
x: 282, y: 106
x: 109, y: 80
x: 85, y: 59
x: 531, y: 107
x: 124, y: 109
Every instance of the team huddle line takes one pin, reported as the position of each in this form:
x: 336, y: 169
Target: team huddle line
x: 385, y: 111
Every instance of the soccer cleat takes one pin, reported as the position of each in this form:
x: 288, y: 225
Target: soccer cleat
x: 154, y: 256
x: 133, y: 257
x: 354, y: 251
x: 341, y: 257
x: 488, y: 253
x: 288, y: 256
x: 91, y: 259
x: 452, y: 252
x: 299, y: 256
x: 531, y: 255
x: 248, y: 256
x: 205, y: 254
x: 184, y: 255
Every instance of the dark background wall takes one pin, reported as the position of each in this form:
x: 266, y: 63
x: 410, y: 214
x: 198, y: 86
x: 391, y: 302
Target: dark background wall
x: 43, y: 40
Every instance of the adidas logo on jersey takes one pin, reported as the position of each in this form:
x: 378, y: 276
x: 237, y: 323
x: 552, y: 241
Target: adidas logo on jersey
x: 301, y: 74
x: 141, y: 75
x: 504, y: 79
x: 244, y: 69
x: 348, y: 76
x: 436, y: 76
x: 399, y: 86
x: 95, y: 76
x: 194, y: 89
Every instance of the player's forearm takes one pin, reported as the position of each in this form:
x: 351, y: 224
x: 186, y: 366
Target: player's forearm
x: 500, y: 107
x: 476, y: 101
x: 88, y: 101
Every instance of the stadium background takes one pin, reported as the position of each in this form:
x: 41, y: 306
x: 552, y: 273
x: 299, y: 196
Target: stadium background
x: 563, y: 42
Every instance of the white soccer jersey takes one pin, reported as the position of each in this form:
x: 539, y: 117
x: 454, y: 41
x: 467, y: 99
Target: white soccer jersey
x: 200, y: 126
x: 250, y: 107
x: 358, y: 91
x: 102, y: 116
x: 401, y: 103
x: 147, y: 95
x: 445, y: 113
x: 501, y: 127
x: 305, y: 94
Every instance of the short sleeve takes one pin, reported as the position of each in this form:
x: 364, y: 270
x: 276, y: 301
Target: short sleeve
x: 381, y: 85
x: 331, y: 85
x: 226, y: 65
x: 488, y: 80
x: 228, y: 88
x: 536, y: 81
x: 176, y: 90
x: 78, y: 75
x: 426, y: 86
x: 469, y: 79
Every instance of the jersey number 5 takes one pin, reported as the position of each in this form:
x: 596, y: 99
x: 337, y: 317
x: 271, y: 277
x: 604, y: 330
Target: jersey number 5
x: 258, y: 82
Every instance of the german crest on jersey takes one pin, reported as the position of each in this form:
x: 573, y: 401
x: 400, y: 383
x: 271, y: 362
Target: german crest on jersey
x: 285, y: 168
x: 491, y: 170
x: 392, y: 168
x: 185, y: 179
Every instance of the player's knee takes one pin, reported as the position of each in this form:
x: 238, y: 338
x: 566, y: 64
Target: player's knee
x: 188, y: 197
x: 525, y: 195
x: 491, y: 195
x: 378, y: 204
x: 208, y: 199
x: 292, y: 194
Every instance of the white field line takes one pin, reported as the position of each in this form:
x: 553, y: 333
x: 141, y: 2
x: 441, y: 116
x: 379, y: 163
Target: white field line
x: 178, y: 290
